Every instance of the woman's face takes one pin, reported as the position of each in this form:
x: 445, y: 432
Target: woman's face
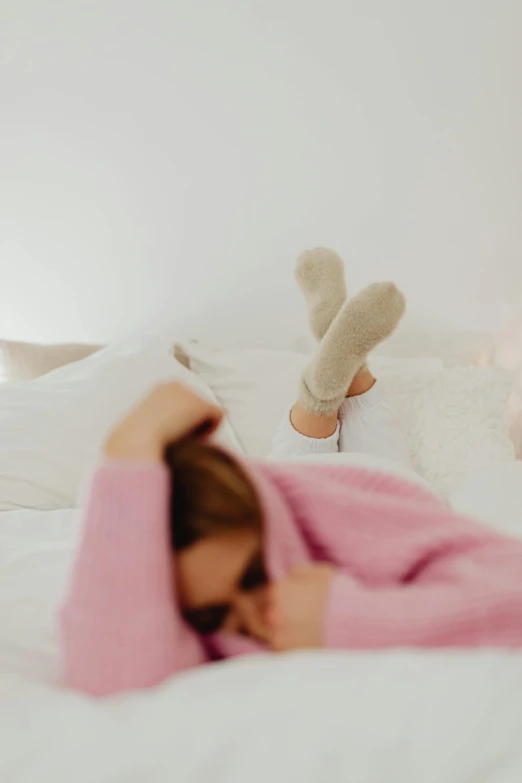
x: 222, y: 584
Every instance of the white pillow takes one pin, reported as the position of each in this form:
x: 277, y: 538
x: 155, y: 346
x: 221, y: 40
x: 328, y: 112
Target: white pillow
x: 24, y: 361
x: 455, y: 420
x: 253, y: 386
x: 51, y: 428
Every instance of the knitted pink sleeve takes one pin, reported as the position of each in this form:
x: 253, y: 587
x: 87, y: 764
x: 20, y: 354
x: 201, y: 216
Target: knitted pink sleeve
x: 469, y: 613
x: 432, y: 578
x: 120, y: 625
x: 411, y: 572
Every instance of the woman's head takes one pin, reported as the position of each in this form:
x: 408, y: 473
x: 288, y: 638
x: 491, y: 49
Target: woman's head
x: 216, y: 527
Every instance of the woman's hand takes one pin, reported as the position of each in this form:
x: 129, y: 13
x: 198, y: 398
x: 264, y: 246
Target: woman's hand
x: 297, y: 607
x: 166, y: 415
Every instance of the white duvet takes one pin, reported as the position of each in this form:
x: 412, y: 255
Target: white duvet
x: 320, y: 718
x: 402, y: 716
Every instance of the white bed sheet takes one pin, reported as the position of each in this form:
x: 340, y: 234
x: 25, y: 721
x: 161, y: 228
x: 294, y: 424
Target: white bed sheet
x: 401, y: 716
x: 308, y: 718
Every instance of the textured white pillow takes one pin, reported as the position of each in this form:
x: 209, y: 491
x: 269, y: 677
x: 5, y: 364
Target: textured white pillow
x: 51, y: 428
x: 455, y: 420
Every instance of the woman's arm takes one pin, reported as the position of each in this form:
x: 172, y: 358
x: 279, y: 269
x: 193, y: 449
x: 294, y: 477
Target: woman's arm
x: 466, y: 612
x: 120, y: 624
x: 476, y: 602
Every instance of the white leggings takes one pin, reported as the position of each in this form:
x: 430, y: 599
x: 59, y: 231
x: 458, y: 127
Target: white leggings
x: 368, y: 430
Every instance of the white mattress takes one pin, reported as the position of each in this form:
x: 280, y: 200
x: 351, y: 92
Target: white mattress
x: 402, y: 716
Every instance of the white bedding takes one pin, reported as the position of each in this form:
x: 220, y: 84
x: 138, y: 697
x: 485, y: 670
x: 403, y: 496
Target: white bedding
x: 402, y: 716
x: 327, y: 718
x: 385, y: 717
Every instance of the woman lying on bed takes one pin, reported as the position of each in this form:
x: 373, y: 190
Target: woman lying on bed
x: 191, y: 554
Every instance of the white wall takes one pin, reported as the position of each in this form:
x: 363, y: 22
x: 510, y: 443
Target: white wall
x: 164, y: 162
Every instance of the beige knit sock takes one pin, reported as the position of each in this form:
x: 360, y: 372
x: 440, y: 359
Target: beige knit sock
x: 320, y: 276
x: 360, y: 325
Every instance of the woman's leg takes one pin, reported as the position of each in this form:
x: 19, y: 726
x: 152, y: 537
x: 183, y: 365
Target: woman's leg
x: 290, y: 442
x: 360, y: 325
x: 320, y: 276
x: 347, y: 331
x: 369, y: 425
x: 365, y: 423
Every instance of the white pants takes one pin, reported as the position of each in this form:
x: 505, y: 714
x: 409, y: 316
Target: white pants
x: 368, y: 434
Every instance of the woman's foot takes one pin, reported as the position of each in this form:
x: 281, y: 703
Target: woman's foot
x: 320, y: 276
x: 360, y: 325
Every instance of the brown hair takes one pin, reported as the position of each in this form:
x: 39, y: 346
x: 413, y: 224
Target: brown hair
x: 210, y: 495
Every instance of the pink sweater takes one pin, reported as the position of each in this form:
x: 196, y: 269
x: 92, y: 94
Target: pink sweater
x: 410, y: 572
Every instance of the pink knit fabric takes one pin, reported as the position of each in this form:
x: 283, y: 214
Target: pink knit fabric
x: 410, y: 572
